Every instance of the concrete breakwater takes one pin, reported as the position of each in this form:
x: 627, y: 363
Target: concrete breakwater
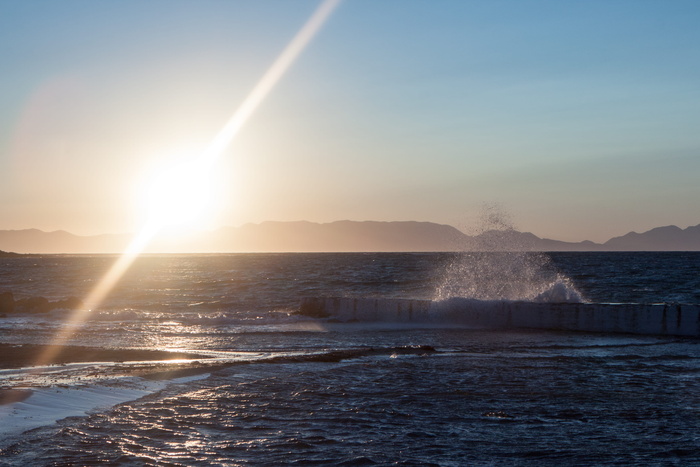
x: 632, y: 318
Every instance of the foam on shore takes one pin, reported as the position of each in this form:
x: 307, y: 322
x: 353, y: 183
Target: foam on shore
x: 45, y: 406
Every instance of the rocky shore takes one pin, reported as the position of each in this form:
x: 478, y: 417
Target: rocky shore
x: 99, y: 365
x: 9, y: 305
x: 24, y: 355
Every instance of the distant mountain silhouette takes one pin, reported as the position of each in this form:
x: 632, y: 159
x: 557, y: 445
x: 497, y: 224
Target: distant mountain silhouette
x: 669, y: 238
x: 60, y: 241
x: 8, y: 254
x: 349, y: 236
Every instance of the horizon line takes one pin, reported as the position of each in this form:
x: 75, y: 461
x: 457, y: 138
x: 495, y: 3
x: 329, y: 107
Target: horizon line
x: 191, y: 234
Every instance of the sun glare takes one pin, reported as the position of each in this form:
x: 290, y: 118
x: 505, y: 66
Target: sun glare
x: 179, y: 195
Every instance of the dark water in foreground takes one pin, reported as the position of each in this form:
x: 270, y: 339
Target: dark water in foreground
x: 481, y: 398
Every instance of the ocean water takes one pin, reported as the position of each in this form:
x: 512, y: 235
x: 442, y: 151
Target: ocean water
x: 298, y: 390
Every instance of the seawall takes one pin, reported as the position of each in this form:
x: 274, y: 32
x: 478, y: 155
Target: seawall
x: 628, y: 318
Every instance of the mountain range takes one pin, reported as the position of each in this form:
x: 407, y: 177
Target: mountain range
x: 344, y: 236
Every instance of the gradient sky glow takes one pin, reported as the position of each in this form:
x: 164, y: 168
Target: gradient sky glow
x: 580, y: 118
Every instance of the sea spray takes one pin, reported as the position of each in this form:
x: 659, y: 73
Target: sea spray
x: 502, y: 268
x: 509, y: 275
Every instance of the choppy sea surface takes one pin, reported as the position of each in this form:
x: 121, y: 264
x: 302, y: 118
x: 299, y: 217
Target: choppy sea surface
x: 306, y: 391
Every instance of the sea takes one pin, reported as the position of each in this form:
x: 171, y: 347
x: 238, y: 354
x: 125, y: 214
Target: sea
x: 306, y: 390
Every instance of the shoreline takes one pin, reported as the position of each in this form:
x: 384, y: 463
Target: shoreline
x: 82, y: 366
x: 13, y: 356
x: 81, y: 379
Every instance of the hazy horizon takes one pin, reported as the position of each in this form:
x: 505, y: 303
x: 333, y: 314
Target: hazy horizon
x: 341, y: 236
x: 473, y: 230
x: 578, y: 119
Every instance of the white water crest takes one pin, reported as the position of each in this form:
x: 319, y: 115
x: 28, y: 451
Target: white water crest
x: 503, y: 269
x: 509, y: 275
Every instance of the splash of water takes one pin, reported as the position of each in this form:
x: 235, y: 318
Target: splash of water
x: 503, y: 269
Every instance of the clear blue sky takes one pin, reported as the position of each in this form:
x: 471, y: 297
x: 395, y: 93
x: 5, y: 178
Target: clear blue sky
x: 580, y: 118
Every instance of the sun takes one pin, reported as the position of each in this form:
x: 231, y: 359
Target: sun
x: 178, y: 196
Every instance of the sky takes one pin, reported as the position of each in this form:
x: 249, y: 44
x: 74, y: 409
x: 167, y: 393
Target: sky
x: 578, y: 119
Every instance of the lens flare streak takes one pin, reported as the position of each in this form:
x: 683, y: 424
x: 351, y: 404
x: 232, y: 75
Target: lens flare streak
x: 206, y: 159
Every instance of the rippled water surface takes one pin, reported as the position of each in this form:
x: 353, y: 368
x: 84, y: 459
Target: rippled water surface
x: 484, y: 398
x: 361, y: 395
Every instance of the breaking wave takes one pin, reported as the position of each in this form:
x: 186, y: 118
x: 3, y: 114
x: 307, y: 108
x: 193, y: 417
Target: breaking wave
x: 523, y: 276
x: 503, y: 269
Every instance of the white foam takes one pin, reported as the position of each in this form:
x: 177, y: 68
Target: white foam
x: 46, y: 406
x: 560, y: 291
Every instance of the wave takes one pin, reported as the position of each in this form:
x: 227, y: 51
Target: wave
x: 52, y: 403
x: 652, y: 319
x: 513, y: 275
x: 559, y: 291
